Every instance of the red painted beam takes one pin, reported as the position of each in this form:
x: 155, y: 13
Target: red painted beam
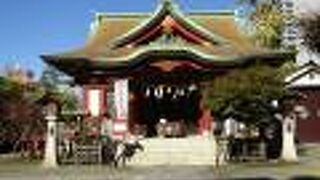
x: 187, y: 34
x: 145, y: 37
x: 171, y: 24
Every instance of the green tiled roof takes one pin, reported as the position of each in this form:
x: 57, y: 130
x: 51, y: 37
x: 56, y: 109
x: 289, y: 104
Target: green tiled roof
x: 110, y: 30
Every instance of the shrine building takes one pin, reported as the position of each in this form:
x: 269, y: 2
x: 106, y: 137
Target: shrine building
x: 141, y: 68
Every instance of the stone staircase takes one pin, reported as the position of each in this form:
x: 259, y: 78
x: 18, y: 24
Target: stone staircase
x: 192, y: 150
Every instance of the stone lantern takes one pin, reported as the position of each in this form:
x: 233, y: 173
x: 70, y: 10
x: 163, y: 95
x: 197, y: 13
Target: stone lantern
x: 289, y: 149
x: 50, y: 110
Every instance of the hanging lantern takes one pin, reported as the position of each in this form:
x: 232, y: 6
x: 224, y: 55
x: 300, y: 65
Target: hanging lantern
x: 156, y: 92
x: 177, y: 91
x: 181, y: 92
x: 148, y: 92
x: 174, y: 96
x: 169, y: 90
x: 192, y: 87
x: 161, y: 92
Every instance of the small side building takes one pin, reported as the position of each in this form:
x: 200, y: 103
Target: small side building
x: 306, y: 81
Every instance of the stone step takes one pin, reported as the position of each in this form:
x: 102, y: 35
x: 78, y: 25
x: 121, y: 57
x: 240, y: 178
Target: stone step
x: 176, y: 151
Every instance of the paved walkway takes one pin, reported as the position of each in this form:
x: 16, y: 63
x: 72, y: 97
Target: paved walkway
x: 105, y: 173
x: 309, y: 166
x: 237, y: 172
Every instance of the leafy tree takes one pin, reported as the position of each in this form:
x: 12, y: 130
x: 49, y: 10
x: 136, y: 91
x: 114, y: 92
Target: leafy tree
x: 247, y: 94
x: 267, y: 21
x: 257, y: 2
x: 268, y: 24
x: 51, y: 80
x: 248, y: 2
x: 21, y: 117
x: 311, y: 31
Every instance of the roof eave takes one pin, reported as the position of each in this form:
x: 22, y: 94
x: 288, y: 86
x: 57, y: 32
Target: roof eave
x: 74, y: 66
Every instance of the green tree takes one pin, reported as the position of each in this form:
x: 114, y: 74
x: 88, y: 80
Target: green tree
x: 50, y: 78
x: 310, y: 26
x: 267, y: 22
x: 268, y: 25
x: 52, y: 82
x: 257, y: 2
x: 21, y: 117
x: 247, y: 94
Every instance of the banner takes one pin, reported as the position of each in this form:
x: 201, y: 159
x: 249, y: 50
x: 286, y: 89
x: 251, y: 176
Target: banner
x: 121, y: 92
x: 121, y: 102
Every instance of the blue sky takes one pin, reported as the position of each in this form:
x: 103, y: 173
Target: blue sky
x: 33, y: 27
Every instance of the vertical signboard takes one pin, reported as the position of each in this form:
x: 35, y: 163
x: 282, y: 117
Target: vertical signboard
x: 121, y: 95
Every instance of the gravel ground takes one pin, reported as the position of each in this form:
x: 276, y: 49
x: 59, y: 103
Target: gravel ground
x: 308, y: 166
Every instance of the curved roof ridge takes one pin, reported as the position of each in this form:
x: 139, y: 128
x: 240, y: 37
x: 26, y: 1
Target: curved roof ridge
x: 144, y: 14
x: 167, y: 7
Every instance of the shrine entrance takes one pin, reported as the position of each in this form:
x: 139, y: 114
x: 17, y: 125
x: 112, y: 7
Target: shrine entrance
x: 165, y: 104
